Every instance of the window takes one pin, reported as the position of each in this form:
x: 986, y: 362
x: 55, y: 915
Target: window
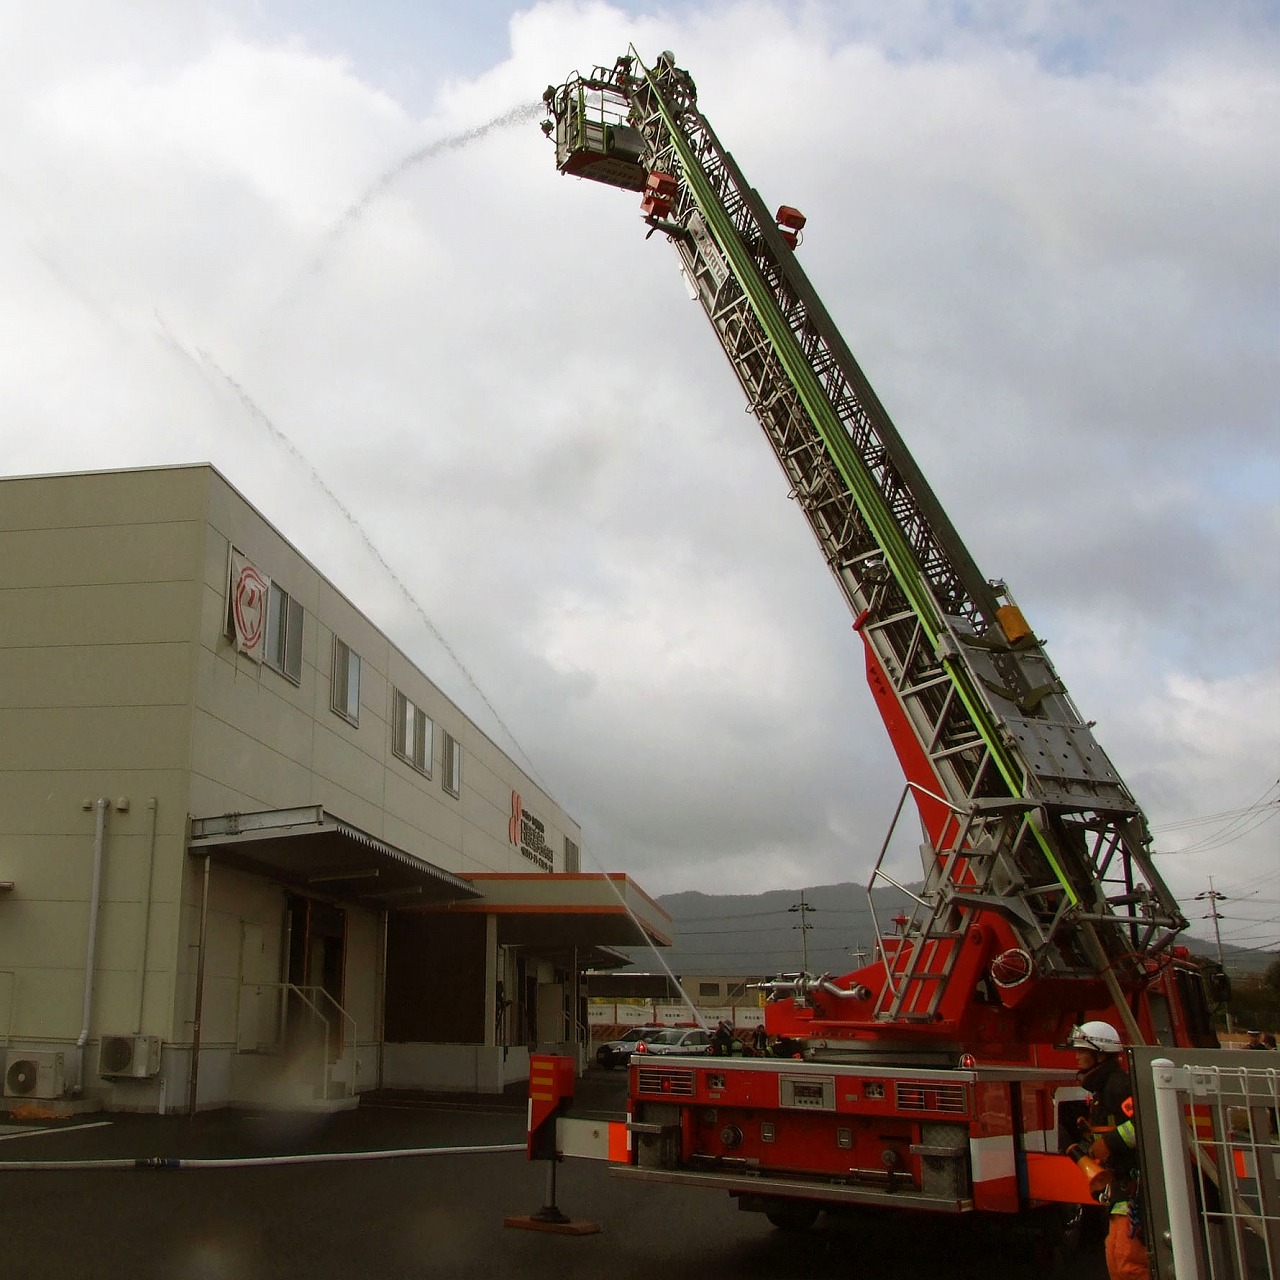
x: 346, y: 681
x: 572, y: 858
x: 410, y: 733
x: 709, y: 989
x: 452, y: 762
x: 284, y: 634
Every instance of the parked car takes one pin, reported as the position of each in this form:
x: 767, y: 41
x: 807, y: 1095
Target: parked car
x: 614, y: 1053
x: 679, y: 1040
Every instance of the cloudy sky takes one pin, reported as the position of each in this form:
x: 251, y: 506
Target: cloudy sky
x: 275, y: 235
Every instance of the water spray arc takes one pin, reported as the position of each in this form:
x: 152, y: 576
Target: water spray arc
x: 257, y: 414
x: 508, y: 119
x: 205, y: 363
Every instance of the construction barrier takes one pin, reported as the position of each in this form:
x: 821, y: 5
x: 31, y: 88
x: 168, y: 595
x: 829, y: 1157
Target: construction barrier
x: 625, y: 1013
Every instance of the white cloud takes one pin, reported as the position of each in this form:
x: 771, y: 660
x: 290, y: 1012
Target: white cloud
x: 1057, y: 271
x: 1213, y: 742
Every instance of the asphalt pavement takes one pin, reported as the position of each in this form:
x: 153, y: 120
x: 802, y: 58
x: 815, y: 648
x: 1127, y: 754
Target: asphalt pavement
x: 437, y: 1216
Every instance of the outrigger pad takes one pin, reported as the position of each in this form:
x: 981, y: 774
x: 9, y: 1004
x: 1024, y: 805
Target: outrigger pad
x: 568, y: 1227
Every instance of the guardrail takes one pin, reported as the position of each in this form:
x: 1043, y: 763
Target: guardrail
x: 1207, y: 1123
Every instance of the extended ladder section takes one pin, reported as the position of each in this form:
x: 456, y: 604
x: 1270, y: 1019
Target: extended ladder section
x: 1025, y: 815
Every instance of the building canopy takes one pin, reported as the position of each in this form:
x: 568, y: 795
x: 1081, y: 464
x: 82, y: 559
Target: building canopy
x: 568, y: 916
x: 562, y: 915
x: 309, y: 848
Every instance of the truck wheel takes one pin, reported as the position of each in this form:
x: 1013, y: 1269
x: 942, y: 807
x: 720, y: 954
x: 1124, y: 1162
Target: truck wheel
x: 792, y: 1215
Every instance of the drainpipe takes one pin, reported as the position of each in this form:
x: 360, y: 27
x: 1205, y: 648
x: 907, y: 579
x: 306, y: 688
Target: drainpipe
x: 193, y: 1085
x: 574, y: 1026
x: 100, y: 807
x: 286, y: 950
x: 381, y: 994
x: 153, y: 807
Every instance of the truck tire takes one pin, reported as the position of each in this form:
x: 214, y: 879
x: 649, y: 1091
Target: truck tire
x: 792, y: 1215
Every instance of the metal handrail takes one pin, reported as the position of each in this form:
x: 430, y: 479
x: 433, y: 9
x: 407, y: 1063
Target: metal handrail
x: 305, y: 994
x: 878, y: 875
x: 349, y: 1043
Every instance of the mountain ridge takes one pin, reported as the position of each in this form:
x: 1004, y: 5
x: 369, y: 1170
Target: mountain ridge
x: 759, y: 933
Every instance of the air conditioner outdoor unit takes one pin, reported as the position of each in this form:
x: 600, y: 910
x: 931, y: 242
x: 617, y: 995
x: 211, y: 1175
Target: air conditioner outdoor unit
x: 130, y: 1057
x: 30, y: 1074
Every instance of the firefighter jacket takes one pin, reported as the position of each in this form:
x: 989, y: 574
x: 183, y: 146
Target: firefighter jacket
x: 1111, y: 1121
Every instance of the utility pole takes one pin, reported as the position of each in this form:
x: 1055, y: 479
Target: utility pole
x: 1213, y: 897
x: 804, y: 926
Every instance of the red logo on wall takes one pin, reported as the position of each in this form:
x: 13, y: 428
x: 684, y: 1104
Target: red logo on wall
x: 249, y: 591
x: 529, y: 834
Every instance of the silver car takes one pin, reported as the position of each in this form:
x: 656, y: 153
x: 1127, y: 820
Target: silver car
x: 679, y: 1040
x: 614, y: 1053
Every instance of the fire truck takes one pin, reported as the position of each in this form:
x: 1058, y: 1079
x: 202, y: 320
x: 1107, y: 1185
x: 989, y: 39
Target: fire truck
x: 933, y: 1078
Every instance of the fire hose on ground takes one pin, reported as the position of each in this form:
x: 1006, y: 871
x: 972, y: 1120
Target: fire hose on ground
x: 253, y: 1162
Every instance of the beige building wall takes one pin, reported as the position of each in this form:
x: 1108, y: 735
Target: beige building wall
x: 98, y: 606
x: 118, y: 680
x: 257, y: 736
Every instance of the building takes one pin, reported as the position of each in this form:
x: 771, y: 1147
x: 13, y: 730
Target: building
x: 248, y: 851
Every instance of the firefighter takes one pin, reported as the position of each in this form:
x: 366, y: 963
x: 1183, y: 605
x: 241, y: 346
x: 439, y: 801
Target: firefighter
x: 722, y: 1039
x: 1110, y: 1140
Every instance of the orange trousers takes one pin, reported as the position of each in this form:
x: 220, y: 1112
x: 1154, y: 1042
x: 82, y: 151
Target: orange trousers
x: 1126, y: 1257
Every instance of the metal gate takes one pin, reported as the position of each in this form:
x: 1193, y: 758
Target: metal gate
x: 1211, y: 1161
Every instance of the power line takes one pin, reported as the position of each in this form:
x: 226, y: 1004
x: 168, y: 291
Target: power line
x: 1185, y: 824
x: 1234, y: 887
x: 750, y: 915
x: 1270, y: 946
x: 1245, y: 927
x: 1242, y: 822
x: 761, y: 915
x: 725, y: 933
x: 1224, y: 839
x: 1181, y: 824
x: 1250, y: 926
x: 709, y: 960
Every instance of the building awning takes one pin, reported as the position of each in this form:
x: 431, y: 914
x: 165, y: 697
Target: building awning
x: 556, y: 915
x: 308, y: 848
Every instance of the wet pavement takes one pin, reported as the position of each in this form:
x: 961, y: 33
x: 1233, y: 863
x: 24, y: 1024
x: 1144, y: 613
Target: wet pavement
x: 416, y: 1216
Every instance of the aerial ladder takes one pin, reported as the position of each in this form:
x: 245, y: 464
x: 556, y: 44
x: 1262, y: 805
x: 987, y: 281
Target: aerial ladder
x: 1040, y: 903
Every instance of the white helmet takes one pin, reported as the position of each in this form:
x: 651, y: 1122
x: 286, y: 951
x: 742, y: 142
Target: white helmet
x: 1101, y: 1037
